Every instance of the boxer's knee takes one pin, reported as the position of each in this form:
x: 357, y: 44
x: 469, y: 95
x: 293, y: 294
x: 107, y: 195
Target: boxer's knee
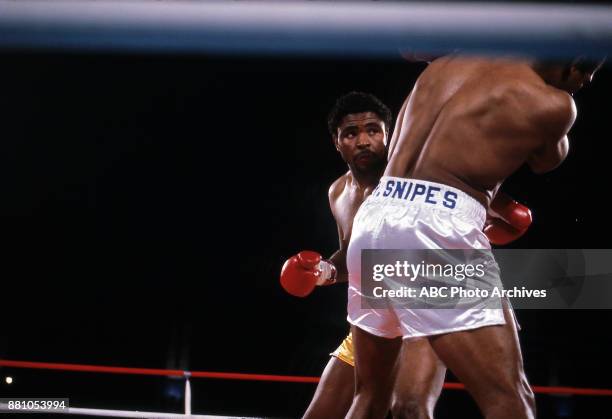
x: 410, y: 408
x: 369, y: 405
x: 511, y: 401
x: 509, y: 407
x: 528, y: 398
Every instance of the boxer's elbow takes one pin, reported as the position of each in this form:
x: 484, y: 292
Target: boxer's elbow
x: 549, y: 157
x: 540, y: 167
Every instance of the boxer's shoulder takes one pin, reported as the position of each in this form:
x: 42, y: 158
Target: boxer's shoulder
x: 544, y: 106
x: 337, y: 187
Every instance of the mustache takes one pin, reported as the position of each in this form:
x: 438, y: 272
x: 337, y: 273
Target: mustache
x: 365, y: 153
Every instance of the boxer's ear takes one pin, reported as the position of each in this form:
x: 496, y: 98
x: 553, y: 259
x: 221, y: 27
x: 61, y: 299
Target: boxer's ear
x: 335, y: 140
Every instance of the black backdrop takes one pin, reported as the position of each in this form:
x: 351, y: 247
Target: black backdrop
x: 148, y: 203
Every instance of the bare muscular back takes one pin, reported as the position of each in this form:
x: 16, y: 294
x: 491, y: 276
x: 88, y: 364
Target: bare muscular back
x: 470, y: 123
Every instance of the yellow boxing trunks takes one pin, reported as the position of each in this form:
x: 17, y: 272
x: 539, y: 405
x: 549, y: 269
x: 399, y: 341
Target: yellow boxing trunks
x: 345, y: 351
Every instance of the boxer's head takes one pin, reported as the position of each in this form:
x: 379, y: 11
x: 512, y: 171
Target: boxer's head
x: 359, y: 126
x: 571, y: 76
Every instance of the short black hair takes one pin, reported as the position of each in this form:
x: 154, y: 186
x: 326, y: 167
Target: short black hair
x: 584, y: 63
x: 357, y: 102
x: 588, y: 64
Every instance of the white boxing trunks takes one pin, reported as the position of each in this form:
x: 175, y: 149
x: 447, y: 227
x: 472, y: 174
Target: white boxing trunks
x: 414, y: 214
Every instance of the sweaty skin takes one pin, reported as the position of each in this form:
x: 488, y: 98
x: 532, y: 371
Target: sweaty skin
x: 470, y: 123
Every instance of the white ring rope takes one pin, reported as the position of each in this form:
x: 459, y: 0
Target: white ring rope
x: 121, y: 413
x: 299, y: 27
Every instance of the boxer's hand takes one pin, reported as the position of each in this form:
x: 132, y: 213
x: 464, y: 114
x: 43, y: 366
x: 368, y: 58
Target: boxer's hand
x: 507, y: 220
x: 302, y: 272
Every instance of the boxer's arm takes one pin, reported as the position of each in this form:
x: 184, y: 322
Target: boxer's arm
x: 553, y: 119
x: 339, y: 259
x: 549, y: 157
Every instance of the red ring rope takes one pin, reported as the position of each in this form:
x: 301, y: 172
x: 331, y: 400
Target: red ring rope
x: 254, y: 377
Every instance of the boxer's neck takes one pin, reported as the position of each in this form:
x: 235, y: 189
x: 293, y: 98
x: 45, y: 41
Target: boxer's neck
x: 369, y: 179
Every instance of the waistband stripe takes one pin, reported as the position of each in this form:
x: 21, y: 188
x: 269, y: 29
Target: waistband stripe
x: 429, y: 193
x: 408, y: 191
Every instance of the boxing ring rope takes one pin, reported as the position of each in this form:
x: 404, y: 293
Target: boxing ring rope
x: 300, y: 27
x: 553, y: 390
x: 254, y: 377
x: 557, y: 390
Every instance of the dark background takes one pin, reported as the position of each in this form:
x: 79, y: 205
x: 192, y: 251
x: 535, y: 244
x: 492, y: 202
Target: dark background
x: 148, y: 203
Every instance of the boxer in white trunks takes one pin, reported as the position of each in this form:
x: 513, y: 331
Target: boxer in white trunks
x: 468, y: 124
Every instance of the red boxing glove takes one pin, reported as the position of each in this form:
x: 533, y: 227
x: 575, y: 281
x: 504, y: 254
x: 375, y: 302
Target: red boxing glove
x: 302, y: 272
x: 507, y: 221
